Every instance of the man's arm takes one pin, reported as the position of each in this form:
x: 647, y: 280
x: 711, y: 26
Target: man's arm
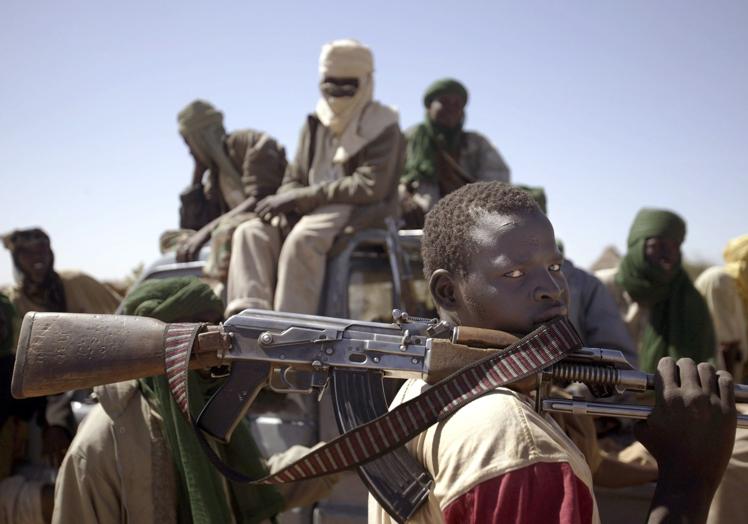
x: 375, y: 177
x: 491, y: 164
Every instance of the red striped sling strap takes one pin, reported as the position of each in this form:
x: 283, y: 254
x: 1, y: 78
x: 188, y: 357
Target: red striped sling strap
x: 540, y: 349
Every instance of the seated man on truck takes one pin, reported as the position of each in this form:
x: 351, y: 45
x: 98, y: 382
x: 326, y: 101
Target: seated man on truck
x: 441, y: 156
x: 233, y: 171
x: 343, y: 178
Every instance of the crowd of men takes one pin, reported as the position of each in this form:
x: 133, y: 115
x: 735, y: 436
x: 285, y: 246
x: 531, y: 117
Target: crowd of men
x: 491, y: 260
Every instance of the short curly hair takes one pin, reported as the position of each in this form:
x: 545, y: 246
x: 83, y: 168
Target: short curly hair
x: 447, y: 241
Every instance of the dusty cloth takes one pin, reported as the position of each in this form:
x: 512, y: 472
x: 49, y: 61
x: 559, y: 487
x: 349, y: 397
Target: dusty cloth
x: 300, y: 260
x: 119, y: 468
x: 729, y: 503
x: 729, y: 314
x: 495, y: 435
x: 20, y: 501
x: 83, y: 294
x: 595, y: 314
x: 679, y: 321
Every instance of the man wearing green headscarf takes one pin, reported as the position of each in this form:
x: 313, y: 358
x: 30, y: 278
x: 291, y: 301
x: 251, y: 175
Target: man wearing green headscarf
x: 441, y: 156
x: 136, y: 458
x: 665, y: 314
x: 233, y: 171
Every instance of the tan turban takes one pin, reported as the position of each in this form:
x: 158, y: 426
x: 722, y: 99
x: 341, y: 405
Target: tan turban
x: 198, y: 115
x: 202, y: 125
x: 345, y: 59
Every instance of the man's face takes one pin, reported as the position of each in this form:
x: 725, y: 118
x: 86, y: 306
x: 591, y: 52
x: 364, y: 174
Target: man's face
x: 447, y: 110
x: 514, y: 281
x: 663, y: 253
x: 35, y: 262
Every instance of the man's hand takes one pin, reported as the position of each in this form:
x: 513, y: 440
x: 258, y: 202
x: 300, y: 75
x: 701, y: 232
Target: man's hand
x: 690, y: 432
x: 55, y: 443
x: 189, y: 250
x: 278, y: 204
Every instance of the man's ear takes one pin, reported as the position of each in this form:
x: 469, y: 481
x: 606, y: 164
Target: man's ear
x: 443, y: 289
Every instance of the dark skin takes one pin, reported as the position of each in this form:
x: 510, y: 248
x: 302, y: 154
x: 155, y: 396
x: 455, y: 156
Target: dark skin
x: 447, y: 110
x: 513, y: 283
x: 35, y: 262
x: 663, y: 252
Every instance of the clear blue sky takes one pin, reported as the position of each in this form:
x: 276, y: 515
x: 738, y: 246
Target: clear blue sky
x: 609, y: 105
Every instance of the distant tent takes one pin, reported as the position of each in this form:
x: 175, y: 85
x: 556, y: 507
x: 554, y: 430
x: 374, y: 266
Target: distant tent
x: 607, y: 259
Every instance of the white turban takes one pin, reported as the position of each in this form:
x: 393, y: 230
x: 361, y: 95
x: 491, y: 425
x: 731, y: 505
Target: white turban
x: 345, y: 59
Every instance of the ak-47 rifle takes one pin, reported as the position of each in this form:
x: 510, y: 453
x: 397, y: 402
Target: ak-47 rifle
x: 302, y: 353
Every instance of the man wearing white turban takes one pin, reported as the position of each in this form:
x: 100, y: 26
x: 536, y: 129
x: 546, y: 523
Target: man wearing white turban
x: 344, y: 178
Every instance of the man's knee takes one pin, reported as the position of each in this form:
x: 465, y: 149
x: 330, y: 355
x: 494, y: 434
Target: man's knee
x: 251, y: 232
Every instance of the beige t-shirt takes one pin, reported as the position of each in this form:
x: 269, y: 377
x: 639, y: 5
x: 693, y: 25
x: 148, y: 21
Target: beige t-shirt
x: 493, y: 435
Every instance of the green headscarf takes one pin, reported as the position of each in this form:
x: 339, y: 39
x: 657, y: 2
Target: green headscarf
x: 428, y: 137
x: 202, y: 498
x: 680, y: 325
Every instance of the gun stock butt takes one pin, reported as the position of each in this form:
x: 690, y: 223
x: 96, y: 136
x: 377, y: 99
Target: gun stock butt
x: 64, y: 351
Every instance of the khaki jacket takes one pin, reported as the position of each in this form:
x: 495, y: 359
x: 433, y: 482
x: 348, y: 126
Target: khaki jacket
x: 370, y: 181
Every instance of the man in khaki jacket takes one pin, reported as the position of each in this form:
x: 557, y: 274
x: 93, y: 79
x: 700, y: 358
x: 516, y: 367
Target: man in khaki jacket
x: 343, y: 178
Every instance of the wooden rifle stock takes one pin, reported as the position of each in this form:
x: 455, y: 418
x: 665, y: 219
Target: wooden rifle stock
x: 64, y: 351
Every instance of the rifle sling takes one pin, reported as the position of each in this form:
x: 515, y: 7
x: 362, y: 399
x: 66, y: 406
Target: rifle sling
x: 540, y: 349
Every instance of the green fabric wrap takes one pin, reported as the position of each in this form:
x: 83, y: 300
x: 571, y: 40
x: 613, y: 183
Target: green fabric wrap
x: 8, y: 323
x: 445, y: 86
x: 657, y: 223
x: 178, y: 299
x: 428, y: 137
x: 680, y: 324
x: 202, y: 497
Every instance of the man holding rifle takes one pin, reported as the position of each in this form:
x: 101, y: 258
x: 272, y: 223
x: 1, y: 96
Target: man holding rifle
x: 491, y: 259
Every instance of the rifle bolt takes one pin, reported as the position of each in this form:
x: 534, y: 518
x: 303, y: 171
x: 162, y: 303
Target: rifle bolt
x: 266, y: 338
x: 329, y: 351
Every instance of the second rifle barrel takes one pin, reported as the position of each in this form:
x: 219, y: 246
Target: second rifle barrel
x: 625, y: 378
x: 603, y: 409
